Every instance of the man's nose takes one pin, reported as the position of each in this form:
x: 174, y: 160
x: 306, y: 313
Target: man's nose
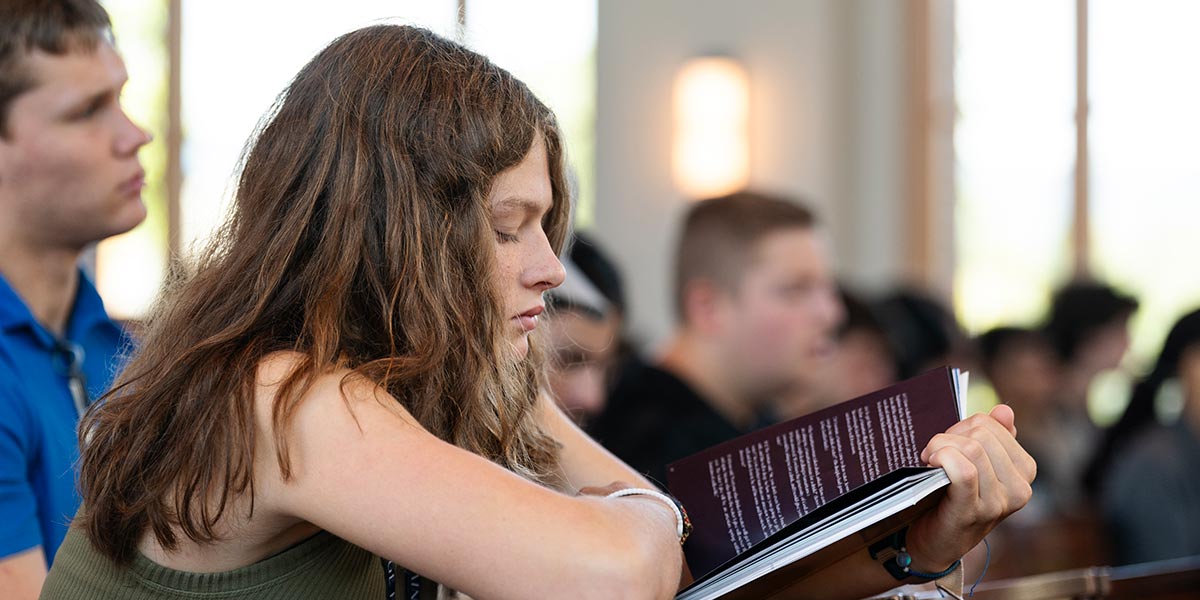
x: 131, y: 136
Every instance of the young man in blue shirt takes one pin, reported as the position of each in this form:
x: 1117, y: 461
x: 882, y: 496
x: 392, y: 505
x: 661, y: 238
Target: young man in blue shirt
x: 69, y: 177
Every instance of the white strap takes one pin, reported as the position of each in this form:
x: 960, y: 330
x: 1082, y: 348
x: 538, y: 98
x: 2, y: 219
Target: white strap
x: 654, y: 494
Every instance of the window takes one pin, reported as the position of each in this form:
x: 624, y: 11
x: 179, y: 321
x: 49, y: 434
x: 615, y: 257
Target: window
x: 130, y: 267
x: 551, y: 46
x: 234, y: 65
x: 1014, y: 144
x: 1023, y: 225
x: 235, y: 56
x: 1145, y: 140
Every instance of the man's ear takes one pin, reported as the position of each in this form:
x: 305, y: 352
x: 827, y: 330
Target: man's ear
x: 705, y: 306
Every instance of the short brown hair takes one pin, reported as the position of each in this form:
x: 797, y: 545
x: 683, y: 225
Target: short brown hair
x: 51, y: 26
x: 719, y: 235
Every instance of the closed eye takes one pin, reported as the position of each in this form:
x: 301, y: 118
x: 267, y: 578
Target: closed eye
x: 93, y: 107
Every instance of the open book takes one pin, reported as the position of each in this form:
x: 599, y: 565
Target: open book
x: 776, y: 505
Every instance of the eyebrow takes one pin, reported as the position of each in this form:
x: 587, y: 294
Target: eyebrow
x: 100, y: 96
x: 518, y: 204
x: 97, y: 98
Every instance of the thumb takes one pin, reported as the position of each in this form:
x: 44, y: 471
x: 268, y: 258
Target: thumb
x: 1004, y: 414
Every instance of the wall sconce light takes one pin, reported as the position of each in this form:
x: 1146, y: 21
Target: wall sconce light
x: 711, y: 147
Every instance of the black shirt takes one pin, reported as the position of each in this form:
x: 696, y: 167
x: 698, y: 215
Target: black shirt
x: 653, y: 418
x: 1152, y: 495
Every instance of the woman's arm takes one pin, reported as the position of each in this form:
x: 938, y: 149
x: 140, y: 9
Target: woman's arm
x: 585, y: 463
x: 366, y: 471
x: 588, y: 465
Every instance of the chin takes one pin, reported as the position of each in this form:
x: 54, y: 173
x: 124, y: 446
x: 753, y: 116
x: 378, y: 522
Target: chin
x: 130, y: 216
x: 521, y: 347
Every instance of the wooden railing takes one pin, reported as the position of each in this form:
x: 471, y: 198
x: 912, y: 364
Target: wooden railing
x: 1175, y: 579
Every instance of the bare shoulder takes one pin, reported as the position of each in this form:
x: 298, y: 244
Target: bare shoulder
x: 331, y: 390
x: 337, y: 417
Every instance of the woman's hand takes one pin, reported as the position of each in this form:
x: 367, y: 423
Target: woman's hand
x: 990, y: 476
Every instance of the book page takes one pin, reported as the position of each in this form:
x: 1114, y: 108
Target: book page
x: 740, y: 492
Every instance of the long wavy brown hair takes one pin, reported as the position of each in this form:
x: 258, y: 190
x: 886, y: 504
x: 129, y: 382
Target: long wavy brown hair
x: 361, y: 238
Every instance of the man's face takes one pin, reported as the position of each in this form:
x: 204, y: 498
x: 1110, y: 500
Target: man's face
x: 862, y: 363
x: 69, y: 172
x: 779, y: 323
x: 1106, y: 346
x: 1189, y: 377
x: 1026, y: 376
x: 583, y: 349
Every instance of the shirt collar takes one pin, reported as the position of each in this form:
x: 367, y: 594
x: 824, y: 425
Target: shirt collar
x: 87, y: 312
x: 13, y: 312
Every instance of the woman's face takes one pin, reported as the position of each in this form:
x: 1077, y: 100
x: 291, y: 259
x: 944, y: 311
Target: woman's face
x: 526, y: 265
x: 1189, y: 371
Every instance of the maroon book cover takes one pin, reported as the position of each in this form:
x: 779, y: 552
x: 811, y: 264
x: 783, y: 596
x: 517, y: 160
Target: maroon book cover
x: 740, y: 492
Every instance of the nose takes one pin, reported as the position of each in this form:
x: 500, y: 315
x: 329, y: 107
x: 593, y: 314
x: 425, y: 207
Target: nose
x: 543, y: 270
x: 130, y: 136
x: 833, y: 311
x: 591, y: 391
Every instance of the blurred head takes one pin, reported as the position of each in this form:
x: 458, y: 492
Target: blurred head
x: 924, y: 333
x: 69, y: 172
x: 1180, y: 360
x: 1088, y: 325
x: 1189, y: 376
x: 1021, y: 366
x: 582, y: 351
x: 753, y: 276
x: 599, y: 270
x: 1180, y: 357
x: 583, y: 333
x: 863, y: 358
x: 399, y: 215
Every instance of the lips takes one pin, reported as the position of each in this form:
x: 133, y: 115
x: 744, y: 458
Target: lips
x: 133, y: 185
x: 528, y: 319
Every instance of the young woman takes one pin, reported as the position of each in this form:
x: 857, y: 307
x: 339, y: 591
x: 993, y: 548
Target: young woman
x: 348, y: 373
x: 1146, y: 474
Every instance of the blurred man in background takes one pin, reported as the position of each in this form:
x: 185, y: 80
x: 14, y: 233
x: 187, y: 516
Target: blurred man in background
x: 582, y: 331
x: 1088, y: 328
x: 69, y: 177
x: 756, y: 310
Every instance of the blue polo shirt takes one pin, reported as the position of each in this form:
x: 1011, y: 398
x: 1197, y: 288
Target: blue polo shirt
x: 38, y: 418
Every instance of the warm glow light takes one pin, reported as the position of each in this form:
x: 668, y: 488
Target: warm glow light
x: 711, y: 149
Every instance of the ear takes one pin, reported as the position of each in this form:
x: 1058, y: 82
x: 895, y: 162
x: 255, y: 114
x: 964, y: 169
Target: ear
x: 706, y: 306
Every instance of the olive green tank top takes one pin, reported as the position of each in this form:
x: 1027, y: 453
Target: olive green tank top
x: 323, y: 566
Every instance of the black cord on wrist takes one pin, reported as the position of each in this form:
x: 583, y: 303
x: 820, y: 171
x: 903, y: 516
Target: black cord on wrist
x: 893, y: 555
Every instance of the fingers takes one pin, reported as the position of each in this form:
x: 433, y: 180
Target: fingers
x: 1022, y: 462
x: 1004, y: 414
x: 1002, y: 470
x: 989, y: 476
x: 940, y: 536
x: 973, y: 493
x: 1002, y: 447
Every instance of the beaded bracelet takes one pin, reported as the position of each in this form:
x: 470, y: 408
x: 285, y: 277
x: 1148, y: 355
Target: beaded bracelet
x: 682, y: 522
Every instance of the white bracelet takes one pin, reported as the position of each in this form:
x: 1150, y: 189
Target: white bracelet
x: 659, y: 496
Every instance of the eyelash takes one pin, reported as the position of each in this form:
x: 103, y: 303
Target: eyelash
x: 505, y: 237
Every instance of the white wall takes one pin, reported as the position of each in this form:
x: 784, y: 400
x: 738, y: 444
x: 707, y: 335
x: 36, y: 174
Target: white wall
x: 827, y: 85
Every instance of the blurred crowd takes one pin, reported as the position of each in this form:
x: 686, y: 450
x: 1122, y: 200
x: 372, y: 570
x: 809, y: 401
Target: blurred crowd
x: 765, y: 333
